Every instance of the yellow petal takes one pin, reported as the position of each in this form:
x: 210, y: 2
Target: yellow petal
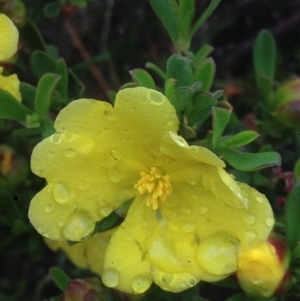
x: 125, y: 265
x: 11, y: 84
x: 88, y: 254
x: 9, y: 37
x: 176, y: 147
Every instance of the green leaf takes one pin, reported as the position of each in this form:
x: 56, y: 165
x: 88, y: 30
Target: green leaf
x: 168, y: 13
x: 205, y: 73
x: 207, y: 13
x: 264, y: 56
x: 28, y: 94
x: 52, y: 10
x: 156, y: 70
x: 32, y: 37
x: 170, y: 85
x: 45, y: 88
x: 62, y: 70
x: 297, y: 173
x: 108, y: 223
x: 240, y: 139
x: 292, y: 209
x: 239, y: 297
x: 202, y: 54
x: 11, y: 108
x: 9, y: 210
x: 250, y: 161
x: 47, y: 127
x: 180, y: 69
x: 220, y: 119
x: 187, y: 11
x: 143, y: 78
x: 181, y: 98
x: 41, y: 63
x: 60, y: 278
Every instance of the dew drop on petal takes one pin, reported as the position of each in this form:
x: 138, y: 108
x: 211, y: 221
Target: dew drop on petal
x: 116, y: 154
x: 156, y: 97
x: 68, y: 137
x: 180, y: 141
x: 270, y: 221
x: 55, y: 138
x: 60, y: 223
x: 82, y: 185
x: 61, y: 193
x: 191, y: 181
x: 250, y: 235
x: 70, y: 153
x: 48, y: 208
x: 140, y: 284
x: 78, y: 227
x: 255, y: 280
x: 192, y: 282
x: 259, y: 199
x: 110, y: 277
x: 250, y: 219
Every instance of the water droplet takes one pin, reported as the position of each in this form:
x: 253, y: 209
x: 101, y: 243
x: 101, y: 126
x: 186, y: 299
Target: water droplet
x: 40, y: 229
x: 156, y: 97
x: 115, y: 175
x: 50, y: 154
x: 103, y: 162
x: 255, y: 280
x: 171, y: 123
x: 61, y: 193
x: 48, y: 208
x: 105, y: 211
x: 270, y: 221
x: 250, y: 219
x: 109, y: 114
x: 140, y: 284
x: 188, y: 227
x: 202, y: 209
x: 60, y: 223
x: 260, y: 199
x: 110, y: 278
x: 180, y: 141
x: 82, y: 185
x: 250, y: 235
x: 116, y: 154
x: 192, y: 282
x: 79, y: 227
x: 191, y: 181
x: 68, y: 137
x: 55, y: 138
x: 70, y: 153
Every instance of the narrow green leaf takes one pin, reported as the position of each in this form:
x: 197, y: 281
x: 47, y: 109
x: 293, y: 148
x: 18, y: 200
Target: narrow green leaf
x: 170, y: 88
x: 187, y: 11
x: 108, y: 223
x: 76, y: 87
x: 60, y: 278
x: 180, y: 69
x: 297, y: 173
x: 143, y: 78
x: 156, y: 69
x: 207, y: 13
x: 220, y: 119
x: 181, y: 98
x: 11, y: 108
x: 250, y: 161
x: 62, y: 70
x: 264, y: 57
x: 240, y: 139
x: 292, y: 209
x: 202, y: 54
x: 28, y: 94
x: 41, y: 63
x: 45, y: 88
x: 9, y: 210
x: 205, y: 73
x: 47, y: 127
x: 168, y: 13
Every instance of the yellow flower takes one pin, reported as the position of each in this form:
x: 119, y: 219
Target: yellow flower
x: 11, y: 84
x: 9, y: 37
x: 263, y: 270
x: 188, y: 220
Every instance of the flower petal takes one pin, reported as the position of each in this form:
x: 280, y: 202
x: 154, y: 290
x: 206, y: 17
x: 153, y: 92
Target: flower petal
x: 11, y: 84
x: 9, y: 37
x: 125, y: 266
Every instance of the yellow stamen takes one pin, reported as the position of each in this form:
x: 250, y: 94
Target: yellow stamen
x: 157, y: 186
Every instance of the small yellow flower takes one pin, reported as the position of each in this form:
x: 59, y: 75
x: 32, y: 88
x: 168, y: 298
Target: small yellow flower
x: 9, y: 37
x: 189, y: 219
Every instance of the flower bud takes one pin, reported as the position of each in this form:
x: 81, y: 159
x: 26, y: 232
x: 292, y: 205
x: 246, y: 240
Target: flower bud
x: 84, y: 289
x: 286, y: 102
x: 263, y: 270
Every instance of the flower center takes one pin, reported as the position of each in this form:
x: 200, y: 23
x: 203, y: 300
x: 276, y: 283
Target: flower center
x: 157, y: 186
